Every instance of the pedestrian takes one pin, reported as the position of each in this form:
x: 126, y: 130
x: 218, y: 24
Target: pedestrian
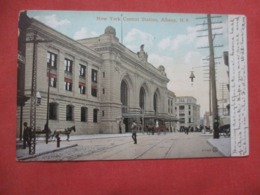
x: 216, y: 128
x: 120, y: 126
x: 134, y: 130
x: 26, y: 136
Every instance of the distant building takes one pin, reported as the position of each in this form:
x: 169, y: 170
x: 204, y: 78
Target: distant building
x: 96, y: 84
x: 188, y: 111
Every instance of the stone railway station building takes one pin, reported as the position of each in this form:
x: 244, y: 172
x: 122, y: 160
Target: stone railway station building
x: 96, y: 84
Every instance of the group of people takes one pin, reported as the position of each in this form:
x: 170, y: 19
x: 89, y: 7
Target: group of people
x: 27, y: 134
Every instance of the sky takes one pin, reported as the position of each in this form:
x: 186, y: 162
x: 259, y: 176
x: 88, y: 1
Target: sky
x: 171, y: 40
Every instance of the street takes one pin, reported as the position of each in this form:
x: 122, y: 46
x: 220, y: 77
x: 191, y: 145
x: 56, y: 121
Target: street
x: 171, y: 145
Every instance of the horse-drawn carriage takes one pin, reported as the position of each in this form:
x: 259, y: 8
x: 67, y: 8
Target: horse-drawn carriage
x: 64, y: 131
x: 224, y: 130
x: 224, y: 126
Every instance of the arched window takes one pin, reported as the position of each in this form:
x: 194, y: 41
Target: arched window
x: 95, y: 115
x: 124, y: 96
x: 69, y: 113
x: 142, y: 98
x: 84, y: 114
x: 53, y: 111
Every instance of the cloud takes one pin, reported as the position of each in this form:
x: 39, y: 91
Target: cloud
x: 157, y: 60
x: 53, y: 20
x: 175, y: 43
x: 84, y: 33
x: 193, y: 59
x: 165, y: 43
x: 135, y: 37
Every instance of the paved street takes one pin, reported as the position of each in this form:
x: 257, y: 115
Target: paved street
x: 113, y: 147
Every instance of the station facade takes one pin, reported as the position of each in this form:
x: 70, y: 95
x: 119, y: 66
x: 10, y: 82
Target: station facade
x: 96, y: 84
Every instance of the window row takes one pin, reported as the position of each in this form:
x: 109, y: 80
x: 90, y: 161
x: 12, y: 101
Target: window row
x: 53, y: 113
x: 68, y: 84
x: 68, y: 66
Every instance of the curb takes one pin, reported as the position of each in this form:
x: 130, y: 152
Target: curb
x: 42, y: 153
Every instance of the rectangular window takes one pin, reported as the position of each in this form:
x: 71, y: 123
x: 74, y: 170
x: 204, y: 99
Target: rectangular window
x: 103, y: 90
x: 103, y: 113
x: 82, y: 71
x: 94, y: 91
x: 181, y: 107
x: 104, y: 74
x: 95, y: 115
x: 84, y: 114
x: 68, y: 65
x: 53, y: 82
x: 51, y: 60
x: 68, y: 84
x: 82, y: 89
x: 94, y: 76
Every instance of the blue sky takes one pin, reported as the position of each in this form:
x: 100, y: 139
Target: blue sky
x: 172, y: 43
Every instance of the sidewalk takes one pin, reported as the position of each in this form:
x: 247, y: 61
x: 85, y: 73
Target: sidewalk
x: 42, y: 148
x: 223, y: 145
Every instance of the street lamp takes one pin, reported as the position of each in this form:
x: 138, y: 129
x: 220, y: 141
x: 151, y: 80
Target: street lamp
x: 192, y: 76
x: 38, y: 98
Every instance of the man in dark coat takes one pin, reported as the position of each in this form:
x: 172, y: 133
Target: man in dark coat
x: 26, y: 135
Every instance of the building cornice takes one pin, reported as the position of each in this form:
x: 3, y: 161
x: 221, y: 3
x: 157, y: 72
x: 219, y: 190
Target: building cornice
x: 133, y: 60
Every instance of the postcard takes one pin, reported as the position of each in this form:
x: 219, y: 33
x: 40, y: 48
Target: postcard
x: 98, y: 85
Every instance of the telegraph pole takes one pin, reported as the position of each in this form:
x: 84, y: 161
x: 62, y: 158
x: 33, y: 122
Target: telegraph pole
x: 33, y: 92
x: 212, y: 71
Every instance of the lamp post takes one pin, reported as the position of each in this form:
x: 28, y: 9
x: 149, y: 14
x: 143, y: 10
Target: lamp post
x: 48, y: 99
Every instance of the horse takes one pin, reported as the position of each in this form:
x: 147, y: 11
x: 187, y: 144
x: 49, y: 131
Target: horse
x: 65, y: 131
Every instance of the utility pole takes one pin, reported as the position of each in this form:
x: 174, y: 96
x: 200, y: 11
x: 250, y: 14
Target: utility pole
x: 212, y: 71
x: 33, y: 92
